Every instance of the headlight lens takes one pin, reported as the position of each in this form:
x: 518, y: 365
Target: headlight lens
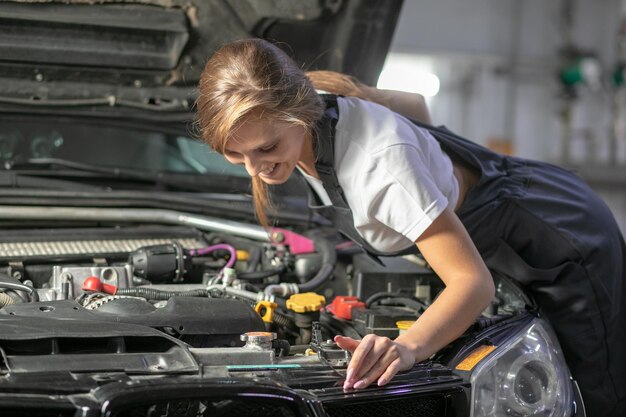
x: 527, y: 376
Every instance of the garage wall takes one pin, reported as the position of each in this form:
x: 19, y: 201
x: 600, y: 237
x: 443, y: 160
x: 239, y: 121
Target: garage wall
x: 498, y: 60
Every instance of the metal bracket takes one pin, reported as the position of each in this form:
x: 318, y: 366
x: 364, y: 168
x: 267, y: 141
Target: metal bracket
x: 327, y: 350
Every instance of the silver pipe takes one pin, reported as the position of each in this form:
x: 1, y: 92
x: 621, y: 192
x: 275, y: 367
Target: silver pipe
x: 213, y: 224
x: 249, y: 295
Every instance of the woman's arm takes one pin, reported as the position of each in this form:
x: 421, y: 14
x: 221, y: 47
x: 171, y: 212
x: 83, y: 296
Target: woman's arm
x: 411, y: 105
x: 448, y: 249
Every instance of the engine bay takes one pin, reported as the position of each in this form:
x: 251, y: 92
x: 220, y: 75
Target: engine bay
x: 239, y: 296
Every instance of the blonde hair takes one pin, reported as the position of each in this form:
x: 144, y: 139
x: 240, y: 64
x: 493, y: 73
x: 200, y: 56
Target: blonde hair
x: 253, y: 77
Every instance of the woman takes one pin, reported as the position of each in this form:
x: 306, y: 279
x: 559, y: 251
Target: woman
x: 393, y: 185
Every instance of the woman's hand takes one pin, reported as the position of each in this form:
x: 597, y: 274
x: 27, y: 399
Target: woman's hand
x: 374, y: 359
x: 447, y: 247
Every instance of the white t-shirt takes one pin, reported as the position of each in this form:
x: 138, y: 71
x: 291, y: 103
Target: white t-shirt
x: 395, y: 177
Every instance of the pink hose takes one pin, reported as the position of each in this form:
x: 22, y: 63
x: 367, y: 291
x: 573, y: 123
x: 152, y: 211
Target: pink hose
x: 209, y: 249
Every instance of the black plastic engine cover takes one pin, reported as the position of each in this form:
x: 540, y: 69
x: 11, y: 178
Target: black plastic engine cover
x: 205, y: 321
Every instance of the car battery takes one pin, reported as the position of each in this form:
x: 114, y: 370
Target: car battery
x: 381, y: 320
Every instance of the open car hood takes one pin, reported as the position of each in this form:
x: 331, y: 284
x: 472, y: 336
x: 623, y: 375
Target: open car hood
x: 153, y: 51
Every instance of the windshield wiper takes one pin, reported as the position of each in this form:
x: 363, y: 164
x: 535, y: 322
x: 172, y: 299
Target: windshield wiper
x: 17, y: 180
x: 108, y: 101
x: 183, y: 181
x: 52, y: 163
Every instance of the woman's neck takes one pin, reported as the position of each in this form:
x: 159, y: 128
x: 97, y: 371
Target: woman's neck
x: 307, y: 158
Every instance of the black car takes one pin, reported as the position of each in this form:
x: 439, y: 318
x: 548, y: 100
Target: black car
x: 134, y: 280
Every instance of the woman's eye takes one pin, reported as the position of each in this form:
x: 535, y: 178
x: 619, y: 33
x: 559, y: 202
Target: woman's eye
x: 269, y: 148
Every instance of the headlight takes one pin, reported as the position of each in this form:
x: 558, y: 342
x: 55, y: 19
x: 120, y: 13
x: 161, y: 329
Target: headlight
x: 527, y: 376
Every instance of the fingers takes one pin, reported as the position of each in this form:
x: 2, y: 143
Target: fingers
x: 366, y: 363
x: 360, y: 353
x: 387, y: 365
x: 391, y: 371
x: 375, y: 359
x: 346, y: 343
x: 368, y: 353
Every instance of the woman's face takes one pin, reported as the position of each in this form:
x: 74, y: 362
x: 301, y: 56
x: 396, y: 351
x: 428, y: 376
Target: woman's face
x: 269, y: 150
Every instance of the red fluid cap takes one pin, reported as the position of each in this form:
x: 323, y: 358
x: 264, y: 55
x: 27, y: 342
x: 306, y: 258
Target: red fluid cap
x: 94, y: 284
x: 342, y: 306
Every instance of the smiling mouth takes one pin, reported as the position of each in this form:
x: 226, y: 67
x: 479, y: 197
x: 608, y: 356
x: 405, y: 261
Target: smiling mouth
x: 269, y: 170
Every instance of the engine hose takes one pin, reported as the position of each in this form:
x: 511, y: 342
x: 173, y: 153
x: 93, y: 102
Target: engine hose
x: 254, y: 259
x: 379, y: 295
x: 338, y: 326
x: 220, y: 246
x: 260, y: 274
x: 5, y: 300
x: 282, y: 303
x: 254, y: 250
x: 325, y: 248
x: 241, y: 243
x: 329, y: 257
x: 154, y: 294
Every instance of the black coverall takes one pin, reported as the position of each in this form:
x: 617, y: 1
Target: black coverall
x: 545, y: 228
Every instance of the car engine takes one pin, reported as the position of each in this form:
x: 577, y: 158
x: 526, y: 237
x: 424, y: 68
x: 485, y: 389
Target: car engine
x: 212, y: 289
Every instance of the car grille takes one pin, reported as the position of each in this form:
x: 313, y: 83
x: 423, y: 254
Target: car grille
x: 423, y: 406
x: 235, y: 407
x: 431, y: 406
x: 230, y: 399
x: 36, y: 407
x: 212, y: 408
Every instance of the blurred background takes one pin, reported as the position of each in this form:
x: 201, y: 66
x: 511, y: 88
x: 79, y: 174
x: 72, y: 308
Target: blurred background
x: 533, y: 78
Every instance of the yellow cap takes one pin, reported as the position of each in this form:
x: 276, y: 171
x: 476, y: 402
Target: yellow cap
x: 242, y: 255
x: 265, y: 309
x: 404, y: 324
x: 306, y: 302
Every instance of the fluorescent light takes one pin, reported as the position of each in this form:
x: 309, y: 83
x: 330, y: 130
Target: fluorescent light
x: 407, y: 72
